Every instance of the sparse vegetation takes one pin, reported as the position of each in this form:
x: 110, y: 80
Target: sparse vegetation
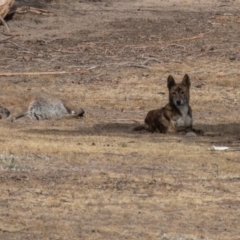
x: 93, y: 178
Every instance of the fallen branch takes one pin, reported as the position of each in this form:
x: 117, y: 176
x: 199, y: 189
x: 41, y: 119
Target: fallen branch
x: 144, y: 64
x: 103, y: 99
x: 201, y: 35
x: 223, y: 74
x: 227, y: 18
x: 5, y: 24
x: 124, y: 120
x: 19, y: 46
x: 210, y: 72
x: 218, y: 74
x: 139, y: 66
x: 233, y: 150
x: 26, y: 9
x: 176, y: 45
x: 13, y: 43
x: 40, y: 73
x: 9, y: 34
x: 212, y: 134
x: 151, y: 59
x: 6, y: 39
x: 137, y: 121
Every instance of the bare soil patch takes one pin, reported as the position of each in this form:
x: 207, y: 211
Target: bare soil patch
x: 94, y: 178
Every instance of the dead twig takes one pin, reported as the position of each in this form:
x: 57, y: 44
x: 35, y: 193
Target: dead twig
x: 137, y: 121
x: 151, y: 59
x: 219, y: 74
x: 39, y: 11
x: 144, y: 64
x: 206, y: 72
x: 223, y: 74
x: 196, y: 72
x: 212, y: 134
x: 40, y: 73
x: 139, y: 66
x: 12, y: 230
x: 233, y: 150
x: 176, y: 45
x: 201, y: 35
x: 5, y: 24
x: 17, y: 45
x: 227, y: 18
x: 103, y: 99
x: 6, y: 39
x: 125, y: 120
x: 13, y: 43
x: 8, y: 34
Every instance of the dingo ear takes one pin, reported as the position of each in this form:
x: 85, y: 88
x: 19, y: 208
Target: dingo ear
x: 170, y: 82
x: 186, y: 81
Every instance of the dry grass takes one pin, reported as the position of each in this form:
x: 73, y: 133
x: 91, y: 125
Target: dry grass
x: 94, y: 178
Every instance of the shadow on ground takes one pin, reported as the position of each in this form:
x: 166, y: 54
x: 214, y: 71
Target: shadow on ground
x: 231, y: 129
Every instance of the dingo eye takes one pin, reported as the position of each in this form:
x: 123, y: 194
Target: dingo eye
x: 182, y: 92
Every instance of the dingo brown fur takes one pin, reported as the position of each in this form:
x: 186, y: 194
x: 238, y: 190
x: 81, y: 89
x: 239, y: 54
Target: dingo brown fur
x: 176, y: 115
x: 38, y: 106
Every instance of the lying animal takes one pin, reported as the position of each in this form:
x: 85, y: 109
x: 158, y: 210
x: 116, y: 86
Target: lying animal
x: 176, y: 115
x: 37, y: 106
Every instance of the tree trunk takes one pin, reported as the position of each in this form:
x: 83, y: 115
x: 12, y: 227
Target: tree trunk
x: 5, y: 6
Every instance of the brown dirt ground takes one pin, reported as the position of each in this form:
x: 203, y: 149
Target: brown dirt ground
x: 94, y: 178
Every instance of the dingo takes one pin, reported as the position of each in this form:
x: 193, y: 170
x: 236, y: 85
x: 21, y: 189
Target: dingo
x: 176, y: 115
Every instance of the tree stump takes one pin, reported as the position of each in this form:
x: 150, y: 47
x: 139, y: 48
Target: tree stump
x: 5, y: 6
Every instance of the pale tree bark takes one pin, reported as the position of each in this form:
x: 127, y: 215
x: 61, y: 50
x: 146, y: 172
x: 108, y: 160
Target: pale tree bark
x: 5, y: 6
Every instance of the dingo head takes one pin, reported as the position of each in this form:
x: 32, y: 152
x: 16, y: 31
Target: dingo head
x: 179, y: 92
